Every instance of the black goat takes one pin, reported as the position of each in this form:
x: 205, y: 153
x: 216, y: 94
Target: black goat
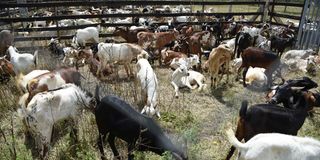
x: 278, y: 44
x: 269, y: 118
x: 243, y: 41
x: 119, y: 119
x: 56, y: 48
x: 289, y: 96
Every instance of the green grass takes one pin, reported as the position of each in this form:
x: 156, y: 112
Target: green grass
x: 196, y: 120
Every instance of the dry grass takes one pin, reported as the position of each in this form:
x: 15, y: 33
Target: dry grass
x: 197, y: 120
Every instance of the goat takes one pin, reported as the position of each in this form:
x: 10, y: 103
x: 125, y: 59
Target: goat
x: 122, y: 53
x: 149, y: 86
x: 52, y: 80
x: 257, y: 57
x: 141, y: 132
x: 22, y: 63
x: 276, y: 146
x: 47, y: 108
x: 23, y: 80
x: 83, y: 36
x: 288, y: 95
x: 280, y: 44
x: 218, y: 57
x: 296, y: 54
x: 6, y: 69
x: 190, y: 62
x: 243, y: 40
x: 268, y: 118
x: 177, y: 80
x: 256, y: 77
x: 129, y: 35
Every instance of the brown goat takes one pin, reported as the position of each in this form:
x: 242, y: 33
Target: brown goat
x: 6, y: 69
x: 195, y: 43
x: 52, y: 80
x: 156, y: 40
x: 129, y: 35
x: 169, y: 55
x: 257, y: 57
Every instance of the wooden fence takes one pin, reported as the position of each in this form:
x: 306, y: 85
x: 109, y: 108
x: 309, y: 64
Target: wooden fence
x: 9, y: 13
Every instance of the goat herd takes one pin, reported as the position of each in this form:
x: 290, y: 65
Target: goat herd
x: 269, y: 129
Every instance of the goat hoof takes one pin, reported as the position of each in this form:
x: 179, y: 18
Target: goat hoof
x: 103, y: 158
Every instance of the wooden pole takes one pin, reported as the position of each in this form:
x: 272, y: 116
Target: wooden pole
x: 265, y: 11
x: 230, y: 6
x: 272, y: 11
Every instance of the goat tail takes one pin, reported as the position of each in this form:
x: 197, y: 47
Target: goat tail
x: 22, y: 111
x: 22, y: 100
x: 243, y: 109
x: 19, y: 79
x: 35, y: 58
x: 233, y: 140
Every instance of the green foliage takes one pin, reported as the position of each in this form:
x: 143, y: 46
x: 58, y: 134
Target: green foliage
x: 167, y: 156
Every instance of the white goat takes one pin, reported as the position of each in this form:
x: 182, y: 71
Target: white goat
x: 122, y: 53
x: 22, y: 63
x: 195, y: 78
x: 253, y: 31
x: 191, y: 61
x: 47, y: 108
x: 83, y: 36
x: 235, y: 64
x: 177, y: 80
x: 23, y: 80
x: 230, y: 43
x: 262, y: 42
x: 149, y: 86
x: 299, y: 64
x: 83, y: 22
x: 66, y: 22
x: 256, y: 77
x: 303, y: 54
x: 276, y: 146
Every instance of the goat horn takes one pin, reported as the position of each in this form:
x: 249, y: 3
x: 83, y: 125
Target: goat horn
x: 297, y: 88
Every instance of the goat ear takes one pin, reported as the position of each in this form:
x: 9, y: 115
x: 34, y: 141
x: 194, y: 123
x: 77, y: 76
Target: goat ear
x: 96, y: 94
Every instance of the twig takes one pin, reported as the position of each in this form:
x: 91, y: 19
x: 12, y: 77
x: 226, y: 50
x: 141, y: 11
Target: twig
x: 14, y: 156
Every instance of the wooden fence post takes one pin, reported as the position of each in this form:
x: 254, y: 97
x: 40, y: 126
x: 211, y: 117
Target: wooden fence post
x: 272, y: 11
x: 266, y: 11
x: 230, y: 6
x: 23, y: 12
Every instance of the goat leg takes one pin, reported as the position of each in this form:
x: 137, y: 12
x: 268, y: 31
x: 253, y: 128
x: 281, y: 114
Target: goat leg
x: 101, y: 140
x: 244, y: 73
x: 111, y: 138
x: 176, y: 89
x: 130, y: 151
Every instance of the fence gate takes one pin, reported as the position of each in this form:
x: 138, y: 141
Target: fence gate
x: 309, y: 28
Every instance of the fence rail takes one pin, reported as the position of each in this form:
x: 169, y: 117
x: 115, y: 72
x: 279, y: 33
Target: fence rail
x: 122, y: 3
